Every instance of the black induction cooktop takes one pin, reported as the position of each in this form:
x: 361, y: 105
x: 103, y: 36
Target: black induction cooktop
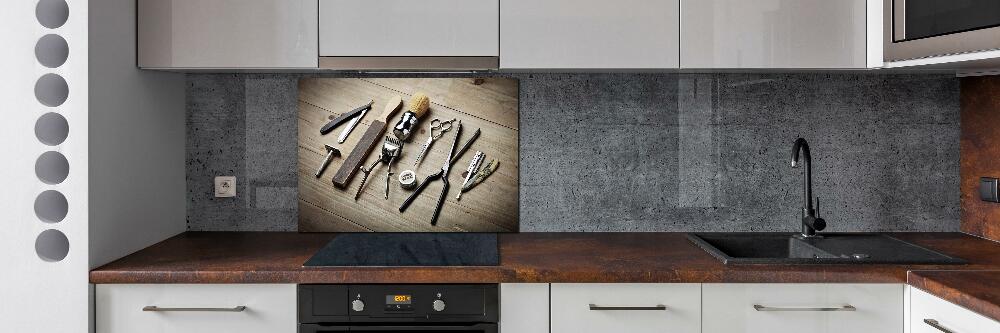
x: 408, y: 249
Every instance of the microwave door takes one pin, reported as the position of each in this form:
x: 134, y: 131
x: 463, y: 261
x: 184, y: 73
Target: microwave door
x: 916, y: 19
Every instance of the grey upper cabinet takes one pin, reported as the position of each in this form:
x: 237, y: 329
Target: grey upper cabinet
x: 407, y: 34
x: 589, y: 34
x: 774, y: 34
x: 192, y: 34
x: 509, y: 34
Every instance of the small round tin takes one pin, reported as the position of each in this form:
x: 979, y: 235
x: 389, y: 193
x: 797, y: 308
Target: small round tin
x: 408, y: 180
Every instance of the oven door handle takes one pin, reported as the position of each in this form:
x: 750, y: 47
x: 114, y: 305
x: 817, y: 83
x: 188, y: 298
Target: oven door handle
x: 312, y: 328
x: 481, y: 327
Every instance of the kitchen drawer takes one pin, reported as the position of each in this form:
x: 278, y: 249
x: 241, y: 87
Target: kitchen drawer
x: 776, y: 308
x: 625, y: 307
x: 269, y: 308
x: 948, y: 316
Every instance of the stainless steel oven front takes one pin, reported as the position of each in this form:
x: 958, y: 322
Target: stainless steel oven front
x: 386, y: 308
x: 915, y: 29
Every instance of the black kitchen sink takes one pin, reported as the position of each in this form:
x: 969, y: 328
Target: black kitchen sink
x: 837, y: 248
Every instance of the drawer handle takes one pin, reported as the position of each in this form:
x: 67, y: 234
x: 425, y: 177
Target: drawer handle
x: 935, y: 324
x: 154, y: 308
x: 659, y: 307
x: 848, y: 307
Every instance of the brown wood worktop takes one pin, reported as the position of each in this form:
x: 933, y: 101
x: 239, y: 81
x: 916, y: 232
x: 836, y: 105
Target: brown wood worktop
x: 275, y: 257
x: 978, y: 291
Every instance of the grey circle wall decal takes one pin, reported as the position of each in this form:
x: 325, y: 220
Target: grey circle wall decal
x: 51, y: 90
x: 51, y: 50
x: 52, y: 245
x: 51, y: 206
x: 51, y: 128
x: 52, y: 13
x: 52, y: 167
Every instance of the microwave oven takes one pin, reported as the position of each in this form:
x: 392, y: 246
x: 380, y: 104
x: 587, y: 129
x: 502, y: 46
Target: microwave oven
x: 915, y: 29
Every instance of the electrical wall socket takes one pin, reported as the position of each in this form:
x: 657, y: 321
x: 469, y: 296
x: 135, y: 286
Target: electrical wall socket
x: 988, y: 189
x: 225, y: 187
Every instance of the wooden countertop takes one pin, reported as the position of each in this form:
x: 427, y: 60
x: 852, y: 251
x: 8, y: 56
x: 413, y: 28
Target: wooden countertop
x: 275, y: 257
x: 978, y: 291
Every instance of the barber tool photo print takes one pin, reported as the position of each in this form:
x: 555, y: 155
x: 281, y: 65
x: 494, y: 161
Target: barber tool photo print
x: 408, y: 155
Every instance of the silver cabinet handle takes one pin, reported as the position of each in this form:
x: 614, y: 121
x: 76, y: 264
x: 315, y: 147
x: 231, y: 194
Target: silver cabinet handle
x: 848, y: 307
x: 935, y: 324
x: 159, y: 309
x: 594, y: 307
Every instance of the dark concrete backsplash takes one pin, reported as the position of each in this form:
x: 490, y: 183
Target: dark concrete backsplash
x: 640, y: 152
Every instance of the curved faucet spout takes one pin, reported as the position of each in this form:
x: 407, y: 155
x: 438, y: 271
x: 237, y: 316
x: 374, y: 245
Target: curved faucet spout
x: 800, y: 145
x: 810, y: 222
x: 807, y: 188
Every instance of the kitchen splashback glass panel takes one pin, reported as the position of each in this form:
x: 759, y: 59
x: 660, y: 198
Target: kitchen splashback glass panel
x: 624, y: 151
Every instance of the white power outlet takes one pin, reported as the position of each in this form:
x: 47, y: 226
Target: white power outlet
x: 225, y: 187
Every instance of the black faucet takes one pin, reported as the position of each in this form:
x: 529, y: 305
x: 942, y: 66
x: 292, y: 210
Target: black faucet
x: 810, y: 221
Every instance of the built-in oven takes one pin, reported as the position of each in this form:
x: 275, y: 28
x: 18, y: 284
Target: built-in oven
x: 916, y: 29
x: 386, y: 308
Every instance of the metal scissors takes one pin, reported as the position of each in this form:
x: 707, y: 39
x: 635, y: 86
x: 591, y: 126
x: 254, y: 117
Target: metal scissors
x: 438, y: 128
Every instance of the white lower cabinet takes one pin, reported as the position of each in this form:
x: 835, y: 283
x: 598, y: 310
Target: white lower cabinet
x: 196, y: 308
x: 625, y: 307
x: 569, y: 308
x: 816, y: 308
x: 524, y: 307
x: 930, y: 314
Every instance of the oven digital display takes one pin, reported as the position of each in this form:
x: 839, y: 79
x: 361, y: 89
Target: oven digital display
x: 398, y: 299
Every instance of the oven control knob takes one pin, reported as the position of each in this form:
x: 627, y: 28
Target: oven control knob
x: 358, y: 305
x: 438, y: 305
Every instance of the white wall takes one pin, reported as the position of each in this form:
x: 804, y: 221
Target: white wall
x: 124, y: 187
x: 137, y: 188
x: 38, y: 295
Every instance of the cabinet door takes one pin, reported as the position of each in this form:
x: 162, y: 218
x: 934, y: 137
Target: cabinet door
x: 196, y: 308
x: 930, y: 314
x: 406, y: 28
x: 586, y: 34
x: 524, y: 308
x: 816, y: 308
x: 773, y: 34
x: 626, y: 307
x: 227, y: 33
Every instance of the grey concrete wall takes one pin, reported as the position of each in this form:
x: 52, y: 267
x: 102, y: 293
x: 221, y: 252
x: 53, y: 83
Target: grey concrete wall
x: 640, y: 152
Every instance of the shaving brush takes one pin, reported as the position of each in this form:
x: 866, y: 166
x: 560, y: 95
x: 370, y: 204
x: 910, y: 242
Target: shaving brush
x: 416, y: 109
